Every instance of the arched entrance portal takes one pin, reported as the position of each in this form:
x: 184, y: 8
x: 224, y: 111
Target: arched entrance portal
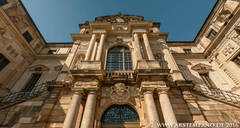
x: 120, y: 116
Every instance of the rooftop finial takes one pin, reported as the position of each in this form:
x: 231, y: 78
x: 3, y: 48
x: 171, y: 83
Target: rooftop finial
x: 119, y: 13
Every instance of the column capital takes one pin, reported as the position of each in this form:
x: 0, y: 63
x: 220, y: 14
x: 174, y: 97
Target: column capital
x: 163, y: 90
x: 139, y: 33
x: 92, y: 91
x: 146, y: 90
x: 135, y: 33
x: 99, y: 31
x: 78, y: 91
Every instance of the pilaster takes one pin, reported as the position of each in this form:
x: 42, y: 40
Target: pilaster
x: 136, y: 46
x: 176, y: 74
x: 191, y: 102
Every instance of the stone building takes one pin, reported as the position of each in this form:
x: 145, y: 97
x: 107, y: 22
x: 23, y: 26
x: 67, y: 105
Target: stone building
x: 119, y: 71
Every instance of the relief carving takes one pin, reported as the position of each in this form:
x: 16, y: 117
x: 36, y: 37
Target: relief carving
x: 120, y: 93
x: 229, y: 49
x: 119, y: 27
x: 17, y: 16
x: 83, y: 45
x: 201, y: 68
x: 119, y: 18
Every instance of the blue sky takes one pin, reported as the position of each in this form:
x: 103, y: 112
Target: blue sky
x: 57, y: 19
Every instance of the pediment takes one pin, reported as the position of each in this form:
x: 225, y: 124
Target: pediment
x: 38, y: 67
x: 202, y: 68
x: 119, y: 18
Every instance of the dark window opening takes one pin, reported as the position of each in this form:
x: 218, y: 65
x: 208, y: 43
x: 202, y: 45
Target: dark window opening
x: 52, y: 51
x: 119, y: 58
x: 27, y: 36
x: 237, y: 60
x: 3, y: 62
x: 212, y: 34
x: 3, y: 2
x: 187, y: 50
x: 32, y: 82
x: 205, y: 77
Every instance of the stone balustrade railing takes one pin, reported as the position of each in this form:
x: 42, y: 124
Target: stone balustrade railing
x: 120, y: 74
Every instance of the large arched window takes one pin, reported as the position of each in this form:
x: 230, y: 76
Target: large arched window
x: 120, y: 114
x: 119, y: 58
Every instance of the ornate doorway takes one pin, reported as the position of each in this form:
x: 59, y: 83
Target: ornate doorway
x: 120, y: 116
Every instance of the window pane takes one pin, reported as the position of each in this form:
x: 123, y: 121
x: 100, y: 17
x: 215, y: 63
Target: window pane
x: 27, y: 36
x: 120, y: 113
x: 32, y: 82
x: 3, y: 62
x: 118, y: 58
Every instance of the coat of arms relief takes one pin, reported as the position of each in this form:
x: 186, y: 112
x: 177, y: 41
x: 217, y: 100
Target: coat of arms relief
x: 119, y: 93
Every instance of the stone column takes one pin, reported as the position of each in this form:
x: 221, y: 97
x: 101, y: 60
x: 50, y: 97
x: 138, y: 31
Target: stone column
x: 89, y: 111
x: 90, y: 47
x: 94, y: 51
x: 136, y: 46
x: 151, y: 109
x: 176, y: 74
x: 72, y: 113
x: 100, y: 47
x: 148, y: 47
x: 167, y: 110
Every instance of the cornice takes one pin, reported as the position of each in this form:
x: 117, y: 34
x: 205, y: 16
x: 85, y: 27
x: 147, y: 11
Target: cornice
x: 207, y: 22
x: 17, y: 33
x: 43, y: 41
x: 222, y: 32
x: 188, y: 55
x: 180, y: 43
x: 59, y: 44
x: 202, y: 30
x: 54, y: 56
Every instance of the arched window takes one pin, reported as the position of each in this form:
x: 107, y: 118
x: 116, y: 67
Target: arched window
x: 119, y: 58
x: 120, y: 114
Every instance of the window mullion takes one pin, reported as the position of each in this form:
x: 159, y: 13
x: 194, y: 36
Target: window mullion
x: 123, y: 60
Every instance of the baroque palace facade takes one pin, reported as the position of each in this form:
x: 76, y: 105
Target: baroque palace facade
x: 119, y: 71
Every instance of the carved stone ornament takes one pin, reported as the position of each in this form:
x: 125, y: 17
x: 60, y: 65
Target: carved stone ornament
x: 39, y: 67
x: 201, y: 68
x: 228, y: 50
x: 120, y: 93
x: 119, y: 18
x: 119, y: 40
